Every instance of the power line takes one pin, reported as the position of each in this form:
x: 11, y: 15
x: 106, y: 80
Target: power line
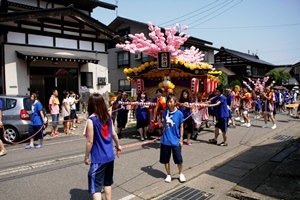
x: 187, y: 14
x: 212, y: 12
x: 217, y: 14
x: 207, y: 10
x: 249, y: 27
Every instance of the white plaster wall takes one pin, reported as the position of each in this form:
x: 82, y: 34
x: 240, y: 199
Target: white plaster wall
x: 40, y: 40
x: 16, y: 68
x: 85, y: 45
x: 16, y: 37
x: 16, y: 78
x: 99, y: 47
x: 60, y: 42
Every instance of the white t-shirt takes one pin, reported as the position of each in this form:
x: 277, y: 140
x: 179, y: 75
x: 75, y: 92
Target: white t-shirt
x: 72, y: 103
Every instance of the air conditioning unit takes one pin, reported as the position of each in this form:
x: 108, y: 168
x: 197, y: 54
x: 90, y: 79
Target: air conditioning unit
x: 137, y: 56
x: 101, y: 81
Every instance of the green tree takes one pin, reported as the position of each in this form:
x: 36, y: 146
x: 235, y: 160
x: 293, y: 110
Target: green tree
x: 223, y: 82
x: 234, y: 83
x: 278, y: 75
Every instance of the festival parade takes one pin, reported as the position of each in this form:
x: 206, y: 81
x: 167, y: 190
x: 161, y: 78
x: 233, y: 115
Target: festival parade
x: 137, y: 111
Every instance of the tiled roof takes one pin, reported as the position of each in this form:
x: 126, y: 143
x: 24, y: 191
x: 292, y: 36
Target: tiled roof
x: 249, y: 57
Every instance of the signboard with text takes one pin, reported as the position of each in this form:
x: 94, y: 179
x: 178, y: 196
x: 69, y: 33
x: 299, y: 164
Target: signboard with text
x: 163, y: 60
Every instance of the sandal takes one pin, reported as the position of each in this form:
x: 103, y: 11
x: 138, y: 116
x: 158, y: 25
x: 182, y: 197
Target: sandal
x: 74, y: 126
x: 212, y: 141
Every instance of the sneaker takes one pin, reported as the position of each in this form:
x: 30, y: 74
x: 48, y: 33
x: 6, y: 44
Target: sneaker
x: 189, y: 143
x: 242, y: 121
x: 212, y: 141
x: 274, y: 126
x: 182, y: 178
x: 223, y: 144
x: 142, y: 139
x: 265, y: 126
x: 38, y: 146
x: 237, y: 118
x: 229, y: 122
x: 3, y: 152
x: 248, y: 125
x: 257, y: 117
x: 29, y: 147
x: 245, y: 124
x: 168, y: 179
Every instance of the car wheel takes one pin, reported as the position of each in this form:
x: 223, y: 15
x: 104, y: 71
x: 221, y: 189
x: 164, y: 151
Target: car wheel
x: 11, y: 134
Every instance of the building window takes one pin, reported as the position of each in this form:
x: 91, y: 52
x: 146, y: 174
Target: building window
x: 147, y: 58
x: 258, y: 71
x: 124, y: 85
x: 87, y: 79
x: 123, y: 59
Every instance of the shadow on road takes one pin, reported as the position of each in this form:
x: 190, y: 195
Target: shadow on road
x: 153, y: 172
x: 79, y: 194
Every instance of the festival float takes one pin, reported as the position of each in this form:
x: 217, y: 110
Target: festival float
x: 173, y: 68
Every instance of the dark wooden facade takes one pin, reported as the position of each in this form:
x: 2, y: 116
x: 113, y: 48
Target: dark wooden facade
x: 243, y: 65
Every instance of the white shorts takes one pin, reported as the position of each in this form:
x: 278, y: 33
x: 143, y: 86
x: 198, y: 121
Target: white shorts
x: 245, y: 112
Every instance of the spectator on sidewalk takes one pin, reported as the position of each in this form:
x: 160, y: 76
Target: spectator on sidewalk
x: 172, y: 138
x: 66, y: 112
x: 54, y: 111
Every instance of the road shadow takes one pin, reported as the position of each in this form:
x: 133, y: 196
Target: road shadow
x: 255, y: 171
x: 153, y: 172
x: 79, y: 194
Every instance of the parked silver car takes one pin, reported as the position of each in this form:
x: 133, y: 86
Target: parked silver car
x: 16, y: 116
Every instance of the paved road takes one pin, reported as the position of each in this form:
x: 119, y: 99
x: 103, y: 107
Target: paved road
x: 57, y: 171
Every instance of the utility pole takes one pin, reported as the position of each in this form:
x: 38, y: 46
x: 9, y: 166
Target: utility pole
x: 117, y: 8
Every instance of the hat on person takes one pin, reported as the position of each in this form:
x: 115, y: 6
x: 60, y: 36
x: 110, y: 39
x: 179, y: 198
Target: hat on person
x: 124, y: 93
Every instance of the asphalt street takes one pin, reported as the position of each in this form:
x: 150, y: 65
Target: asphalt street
x: 57, y: 170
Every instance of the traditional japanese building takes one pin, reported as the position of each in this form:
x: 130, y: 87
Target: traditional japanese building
x: 52, y: 43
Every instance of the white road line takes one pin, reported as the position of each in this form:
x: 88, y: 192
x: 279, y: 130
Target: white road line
x: 38, y: 165
x: 128, y: 197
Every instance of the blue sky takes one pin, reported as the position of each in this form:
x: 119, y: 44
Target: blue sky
x: 268, y: 28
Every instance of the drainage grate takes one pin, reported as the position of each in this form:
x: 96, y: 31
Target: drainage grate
x: 187, y: 193
x: 283, y: 137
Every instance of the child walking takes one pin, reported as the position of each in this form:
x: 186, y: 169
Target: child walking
x: 172, y: 138
x: 246, y: 106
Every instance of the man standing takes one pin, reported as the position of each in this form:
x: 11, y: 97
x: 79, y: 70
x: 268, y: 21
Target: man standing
x: 54, y: 110
x: 222, y: 114
x: 2, y: 148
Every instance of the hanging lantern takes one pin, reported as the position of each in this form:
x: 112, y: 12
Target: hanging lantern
x: 194, y: 85
x: 212, y: 85
x: 207, y: 87
x: 139, y: 84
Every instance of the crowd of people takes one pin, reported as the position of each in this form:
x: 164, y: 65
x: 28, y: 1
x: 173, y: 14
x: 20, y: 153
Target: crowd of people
x: 67, y: 109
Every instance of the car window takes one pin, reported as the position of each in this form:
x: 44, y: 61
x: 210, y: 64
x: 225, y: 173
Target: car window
x: 27, y: 104
x: 10, y: 103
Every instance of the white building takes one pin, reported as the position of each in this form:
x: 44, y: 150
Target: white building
x: 49, y: 44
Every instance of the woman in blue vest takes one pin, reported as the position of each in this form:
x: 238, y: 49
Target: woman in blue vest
x: 37, y: 122
x: 99, y: 151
